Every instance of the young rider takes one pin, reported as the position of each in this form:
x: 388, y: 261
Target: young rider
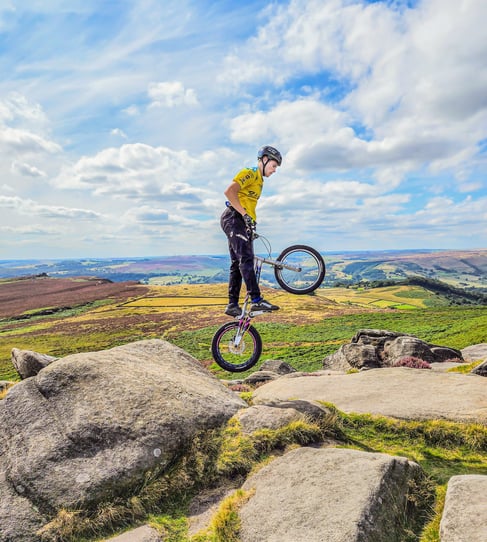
x: 238, y: 222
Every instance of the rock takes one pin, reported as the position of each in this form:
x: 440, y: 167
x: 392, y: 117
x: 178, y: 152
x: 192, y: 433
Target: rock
x: 312, y: 410
x: 260, y: 376
x: 402, y: 347
x: 19, y: 519
x: 475, y: 352
x: 266, y: 417
x: 354, y: 356
x: 480, y: 370
x: 404, y: 393
x: 5, y: 384
x: 372, y: 348
x: 464, y: 516
x: 141, y: 534
x: 89, y: 426
x: 205, y: 504
x: 446, y: 365
x: 277, y: 366
x: 376, y: 337
x: 443, y: 354
x: 305, y: 495
x: 28, y: 363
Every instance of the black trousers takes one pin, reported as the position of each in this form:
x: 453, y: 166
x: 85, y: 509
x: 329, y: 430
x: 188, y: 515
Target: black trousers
x: 241, y: 251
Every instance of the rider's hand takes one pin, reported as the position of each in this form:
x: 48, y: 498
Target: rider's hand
x: 250, y: 225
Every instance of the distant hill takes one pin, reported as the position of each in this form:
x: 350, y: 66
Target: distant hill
x: 454, y: 295
x: 466, y: 269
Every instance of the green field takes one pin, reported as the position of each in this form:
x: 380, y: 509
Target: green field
x: 303, y: 332
x: 305, y: 346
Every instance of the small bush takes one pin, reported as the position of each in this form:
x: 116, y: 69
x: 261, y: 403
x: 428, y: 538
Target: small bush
x: 412, y: 362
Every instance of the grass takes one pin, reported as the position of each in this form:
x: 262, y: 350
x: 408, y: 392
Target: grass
x: 387, y: 296
x: 314, y: 329
x: 465, y: 369
x: 225, y: 524
x: 431, y: 532
x: 443, y: 449
x: 163, y: 499
x: 307, y: 329
x: 305, y: 346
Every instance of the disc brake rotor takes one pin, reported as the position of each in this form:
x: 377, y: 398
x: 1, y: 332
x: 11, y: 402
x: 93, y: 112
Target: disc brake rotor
x: 236, y: 348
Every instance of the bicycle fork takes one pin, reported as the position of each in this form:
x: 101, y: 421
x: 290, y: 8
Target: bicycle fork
x: 247, y: 314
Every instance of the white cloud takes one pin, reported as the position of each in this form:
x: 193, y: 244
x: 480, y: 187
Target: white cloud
x: 171, y: 94
x: 379, y: 109
x: 24, y: 142
x: 15, y: 107
x: 24, y: 132
x: 144, y: 173
x: 33, y: 208
x: 117, y: 132
x: 416, y: 80
x: 26, y: 170
x: 131, y: 111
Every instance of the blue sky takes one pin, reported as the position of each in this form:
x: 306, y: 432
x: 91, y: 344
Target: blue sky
x: 122, y: 122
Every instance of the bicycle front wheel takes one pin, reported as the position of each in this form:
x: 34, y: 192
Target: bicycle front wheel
x: 301, y: 269
x: 235, y: 350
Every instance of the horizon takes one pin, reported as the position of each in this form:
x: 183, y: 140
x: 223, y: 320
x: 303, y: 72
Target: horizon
x: 121, y: 124
x: 225, y: 255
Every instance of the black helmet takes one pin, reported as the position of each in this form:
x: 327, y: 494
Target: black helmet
x: 271, y: 153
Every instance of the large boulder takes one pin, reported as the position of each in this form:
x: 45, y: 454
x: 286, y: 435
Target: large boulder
x: 374, y: 348
x: 465, y: 512
x: 89, y: 426
x: 19, y: 519
x: 307, y: 495
x: 411, y: 394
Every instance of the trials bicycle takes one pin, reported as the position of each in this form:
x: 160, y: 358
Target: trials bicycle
x: 299, y: 269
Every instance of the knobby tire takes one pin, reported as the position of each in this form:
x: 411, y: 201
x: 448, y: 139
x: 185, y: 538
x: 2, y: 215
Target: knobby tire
x: 236, y: 359
x: 311, y: 275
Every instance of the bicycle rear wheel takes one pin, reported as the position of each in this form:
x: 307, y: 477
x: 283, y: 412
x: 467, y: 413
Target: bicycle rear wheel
x: 234, y: 350
x: 307, y: 269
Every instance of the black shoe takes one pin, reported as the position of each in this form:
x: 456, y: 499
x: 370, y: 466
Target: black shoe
x: 233, y: 310
x: 264, y: 305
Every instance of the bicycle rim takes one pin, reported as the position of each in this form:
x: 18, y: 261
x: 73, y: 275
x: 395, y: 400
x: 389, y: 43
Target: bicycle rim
x: 311, y: 269
x: 232, y: 356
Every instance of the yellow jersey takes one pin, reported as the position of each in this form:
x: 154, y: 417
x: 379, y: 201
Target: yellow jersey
x: 251, y: 184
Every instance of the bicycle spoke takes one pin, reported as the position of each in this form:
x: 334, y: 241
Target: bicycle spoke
x: 302, y: 269
x: 235, y: 351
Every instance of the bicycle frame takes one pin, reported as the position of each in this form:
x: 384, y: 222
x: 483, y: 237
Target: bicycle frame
x: 275, y: 263
x: 247, y: 314
x: 299, y: 269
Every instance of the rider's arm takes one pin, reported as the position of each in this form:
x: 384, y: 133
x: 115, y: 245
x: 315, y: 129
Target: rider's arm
x: 231, y: 194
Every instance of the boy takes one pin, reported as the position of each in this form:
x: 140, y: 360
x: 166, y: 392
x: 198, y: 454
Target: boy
x: 238, y: 222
